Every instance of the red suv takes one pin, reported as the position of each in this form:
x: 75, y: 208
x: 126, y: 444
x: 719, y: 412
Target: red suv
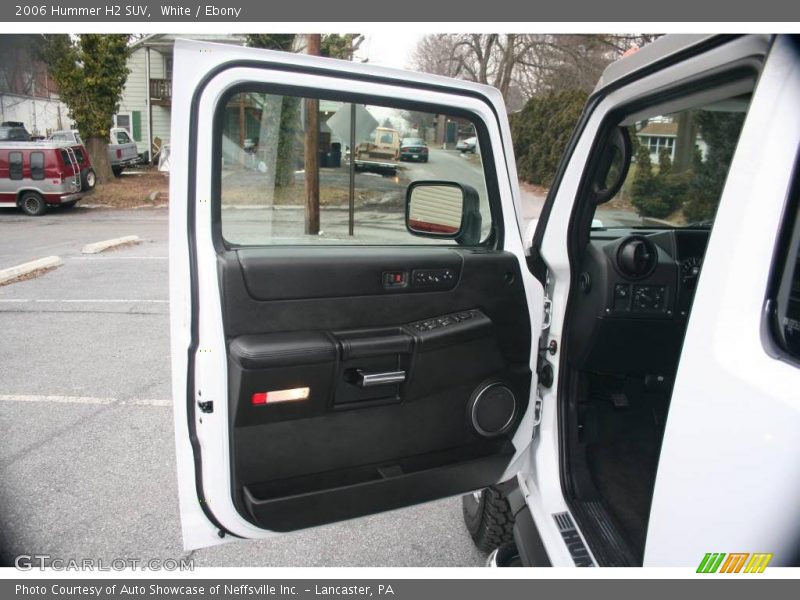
x: 34, y: 175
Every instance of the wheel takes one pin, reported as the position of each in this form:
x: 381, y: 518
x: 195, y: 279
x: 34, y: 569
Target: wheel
x: 32, y: 204
x: 88, y: 179
x: 488, y: 518
x: 117, y: 171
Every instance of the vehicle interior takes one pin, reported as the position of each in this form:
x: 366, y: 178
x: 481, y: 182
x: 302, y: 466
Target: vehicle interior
x: 637, y: 245
x: 373, y: 376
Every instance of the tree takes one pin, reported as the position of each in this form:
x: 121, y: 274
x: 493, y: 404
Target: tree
x: 343, y: 46
x: 271, y: 41
x: 90, y: 71
x: 279, y: 123
x: 541, y: 130
x: 523, y: 65
x: 657, y: 195
x: 720, y: 131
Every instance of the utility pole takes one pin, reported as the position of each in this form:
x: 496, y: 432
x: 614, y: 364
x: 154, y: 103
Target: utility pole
x: 313, y: 47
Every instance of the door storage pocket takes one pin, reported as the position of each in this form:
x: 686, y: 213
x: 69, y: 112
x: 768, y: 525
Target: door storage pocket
x: 312, y: 500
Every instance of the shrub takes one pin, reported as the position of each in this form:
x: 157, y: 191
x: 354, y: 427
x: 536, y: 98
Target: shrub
x: 541, y: 131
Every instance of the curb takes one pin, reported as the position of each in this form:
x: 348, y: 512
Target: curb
x: 97, y: 247
x: 48, y: 262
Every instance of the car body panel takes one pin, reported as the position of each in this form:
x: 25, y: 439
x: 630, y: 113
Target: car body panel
x: 122, y: 150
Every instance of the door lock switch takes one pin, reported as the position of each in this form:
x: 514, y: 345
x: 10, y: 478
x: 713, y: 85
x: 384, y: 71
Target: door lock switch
x: 395, y: 279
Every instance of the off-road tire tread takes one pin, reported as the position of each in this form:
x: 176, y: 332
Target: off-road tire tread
x: 493, y: 525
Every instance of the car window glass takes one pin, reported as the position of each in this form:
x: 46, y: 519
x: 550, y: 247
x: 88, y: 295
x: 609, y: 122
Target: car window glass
x: 37, y: 165
x: 679, y: 165
x: 122, y: 137
x: 267, y: 197
x: 15, y: 165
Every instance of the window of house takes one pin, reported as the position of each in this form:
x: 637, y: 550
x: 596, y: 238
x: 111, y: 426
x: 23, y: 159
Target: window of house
x: 37, y: 165
x: 123, y: 121
x: 15, y: 165
x: 268, y: 196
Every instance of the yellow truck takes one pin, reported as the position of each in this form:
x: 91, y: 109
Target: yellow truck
x: 384, y: 143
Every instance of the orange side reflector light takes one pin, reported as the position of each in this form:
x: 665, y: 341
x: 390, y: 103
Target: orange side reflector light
x: 280, y: 396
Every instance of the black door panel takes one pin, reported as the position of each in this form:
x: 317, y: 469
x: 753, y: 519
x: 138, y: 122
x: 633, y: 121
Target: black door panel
x: 335, y: 271
x: 355, y: 445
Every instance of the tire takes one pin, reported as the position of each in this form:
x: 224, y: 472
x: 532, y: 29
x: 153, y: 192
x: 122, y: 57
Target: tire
x: 488, y: 518
x: 32, y: 204
x: 117, y: 171
x: 88, y: 179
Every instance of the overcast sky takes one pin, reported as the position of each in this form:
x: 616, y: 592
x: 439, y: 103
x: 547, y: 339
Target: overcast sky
x: 390, y: 50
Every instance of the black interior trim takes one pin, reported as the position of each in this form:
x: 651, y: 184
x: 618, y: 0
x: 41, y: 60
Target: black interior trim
x: 310, y: 501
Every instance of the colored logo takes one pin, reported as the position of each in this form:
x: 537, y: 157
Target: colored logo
x: 735, y: 562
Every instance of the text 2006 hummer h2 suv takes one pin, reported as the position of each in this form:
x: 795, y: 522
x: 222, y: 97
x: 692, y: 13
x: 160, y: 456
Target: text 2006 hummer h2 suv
x: 617, y: 388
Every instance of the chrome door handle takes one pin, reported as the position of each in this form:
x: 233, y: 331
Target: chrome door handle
x: 372, y: 379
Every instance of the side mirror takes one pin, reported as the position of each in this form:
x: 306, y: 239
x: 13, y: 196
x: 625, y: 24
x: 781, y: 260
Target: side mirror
x: 444, y: 210
x: 612, y: 167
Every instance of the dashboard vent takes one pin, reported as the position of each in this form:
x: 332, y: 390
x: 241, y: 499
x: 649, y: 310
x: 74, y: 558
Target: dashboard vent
x: 637, y: 257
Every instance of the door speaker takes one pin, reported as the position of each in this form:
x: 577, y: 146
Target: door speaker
x: 492, y: 408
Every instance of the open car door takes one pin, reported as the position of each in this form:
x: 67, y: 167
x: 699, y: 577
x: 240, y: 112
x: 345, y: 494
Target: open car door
x: 348, y: 336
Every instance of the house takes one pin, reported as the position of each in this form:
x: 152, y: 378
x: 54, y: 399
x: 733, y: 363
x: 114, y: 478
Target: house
x: 662, y: 133
x: 145, y: 108
x: 27, y: 93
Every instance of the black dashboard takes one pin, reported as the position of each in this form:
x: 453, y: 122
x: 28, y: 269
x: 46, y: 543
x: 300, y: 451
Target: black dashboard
x: 634, y: 293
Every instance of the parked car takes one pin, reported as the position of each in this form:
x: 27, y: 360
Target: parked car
x: 13, y: 131
x: 468, y: 145
x: 414, y: 149
x: 73, y: 138
x: 35, y: 175
x: 620, y: 395
x: 122, y: 150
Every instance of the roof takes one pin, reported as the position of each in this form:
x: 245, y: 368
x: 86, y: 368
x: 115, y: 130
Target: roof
x: 39, y: 145
x: 664, y: 129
